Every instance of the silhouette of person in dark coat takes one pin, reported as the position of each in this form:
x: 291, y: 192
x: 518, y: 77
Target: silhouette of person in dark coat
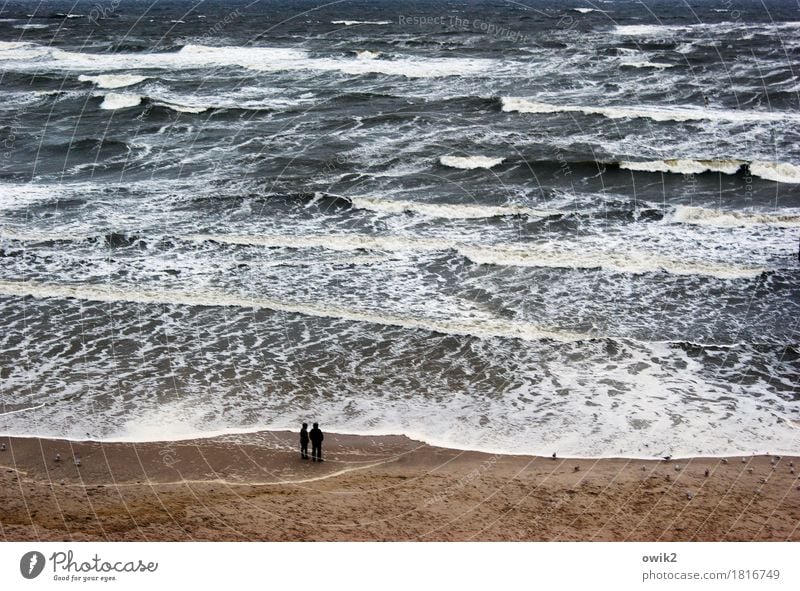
x: 304, y: 442
x: 316, y: 443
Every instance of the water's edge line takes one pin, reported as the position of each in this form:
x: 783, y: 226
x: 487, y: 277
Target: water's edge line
x: 415, y: 438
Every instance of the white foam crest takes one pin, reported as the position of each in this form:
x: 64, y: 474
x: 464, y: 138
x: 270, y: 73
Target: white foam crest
x: 408, y: 67
x: 113, y: 101
x: 447, y: 210
x: 13, y: 196
x: 366, y: 54
x: 641, y: 62
x: 780, y: 172
x: 30, y: 26
x: 645, y: 30
x: 12, y: 45
x: 10, y: 234
x: 470, y: 162
x: 181, y: 108
x: 351, y: 23
x: 685, y: 166
x: 727, y: 219
x: 21, y: 53
x: 654, y: 112
x: 255, y: 58
x: 553, y: 255
x: 13, y: 100
x: 338, y: 242
x: 248, y: 57
x: 662, y: 30
x: 201, y: 104
x: 481, y: 327
x: 18, y: 195
x: 111, y: 81
x: 247, y: 98
x: 560, y: 256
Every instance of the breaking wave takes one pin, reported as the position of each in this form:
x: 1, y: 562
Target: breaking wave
x: 716, y: 217
x: 26, y: 56
x: 351, y: 23
x: 780, y: 172
x: 630, y: 263
x: 485, y: 327
x: 470, y: 162
x: 453, y: 211
x: 654, y: 112
x: 549, y: 255
x: 113, y: 101
x: 685, y: 166
x: 112, y: 81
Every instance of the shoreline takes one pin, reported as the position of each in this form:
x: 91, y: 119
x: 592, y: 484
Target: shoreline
x: 255, y: 487
x: 233, y: 434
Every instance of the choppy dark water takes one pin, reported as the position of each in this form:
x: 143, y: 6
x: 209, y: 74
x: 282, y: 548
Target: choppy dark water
x: 483, y: 224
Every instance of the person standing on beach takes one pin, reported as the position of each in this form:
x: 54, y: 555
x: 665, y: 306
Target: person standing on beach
x: 304, y: 442
x: 316, y: 443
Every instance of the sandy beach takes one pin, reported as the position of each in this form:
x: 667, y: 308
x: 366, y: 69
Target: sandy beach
x: 256, y: 487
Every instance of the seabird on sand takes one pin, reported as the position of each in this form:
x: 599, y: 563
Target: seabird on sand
x: 644, y: 468
x: 724, y: 461
x: 750, y: 470
x: 57, y: 458
x: 707, y: 472
x: 554, y: 455
x: 744, y: 461
x: 667, y: 458
x: 2, y: 447
x: 689, y: 495
x: 78, y: 462
x: 677, y: 467
x: 576, y: 469
x: 62, y: 482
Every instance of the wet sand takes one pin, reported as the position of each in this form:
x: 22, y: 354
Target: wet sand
x: 256, y: 487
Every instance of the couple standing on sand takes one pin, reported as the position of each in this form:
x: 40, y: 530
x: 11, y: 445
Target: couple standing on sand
x: 316, y: 438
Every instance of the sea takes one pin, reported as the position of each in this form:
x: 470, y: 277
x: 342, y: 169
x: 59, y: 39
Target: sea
x: 519, y: 227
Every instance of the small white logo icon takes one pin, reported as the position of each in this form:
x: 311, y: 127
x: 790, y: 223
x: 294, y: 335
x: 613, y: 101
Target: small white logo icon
x: 31, y: 564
